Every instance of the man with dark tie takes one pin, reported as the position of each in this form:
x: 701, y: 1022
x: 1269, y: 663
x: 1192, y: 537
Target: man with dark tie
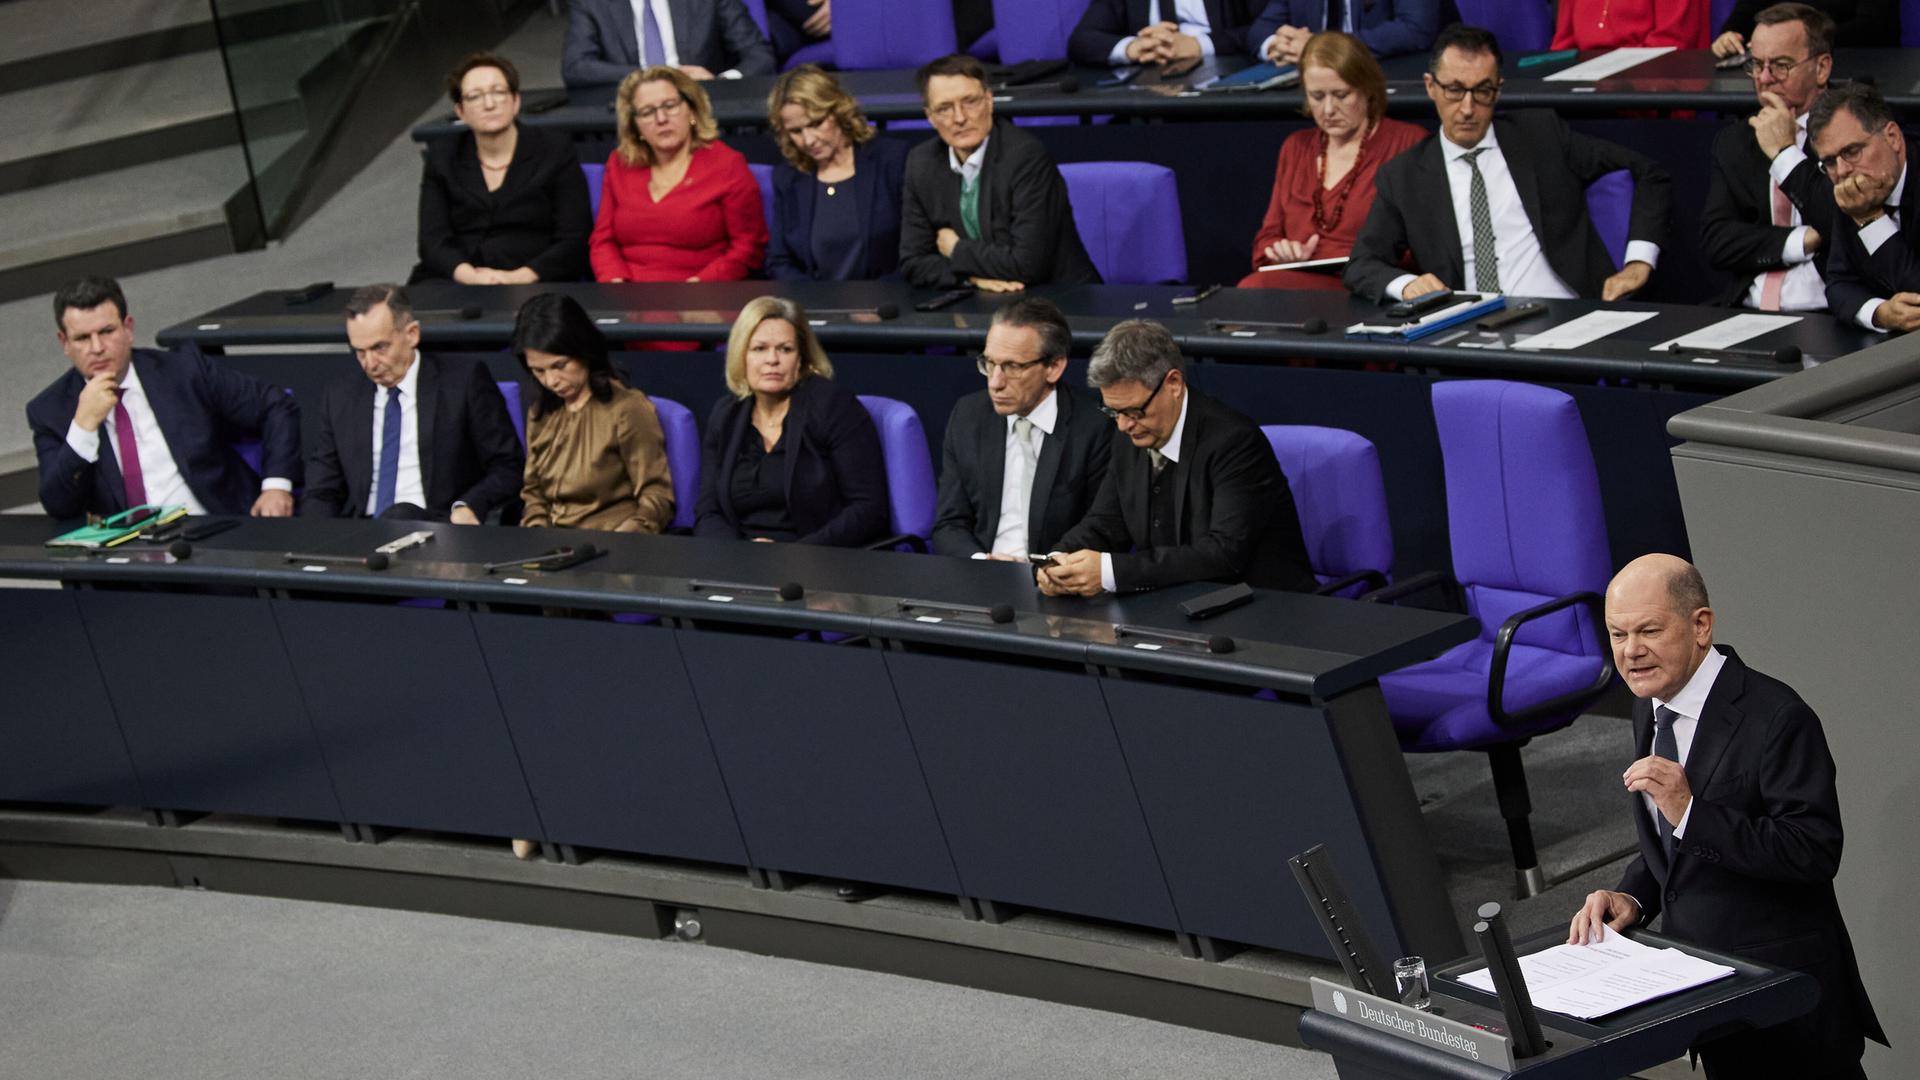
x: 1738, y: 815
x: 420, y: 437
x: 707, y: 39
x: 1873, y: 276
x: 1192, y: 493
x: 128, y: 426
x: 1121, y: 32
x: 1498, y: 204
x: 1386, y: 27
x: 1769, y: 212
x: 1023, y: 457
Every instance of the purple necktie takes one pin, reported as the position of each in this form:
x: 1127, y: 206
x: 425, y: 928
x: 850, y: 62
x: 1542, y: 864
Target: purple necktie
x: 129, y: 456
x: 652, y: 50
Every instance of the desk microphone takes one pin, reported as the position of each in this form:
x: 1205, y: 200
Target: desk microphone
x: 1308, y: 326
x: 376, y: 561
x: 180, y: 549
x: 470, y: 312
x: 1217, y: 644
x: 881, y: 311
x: 1785, y: 354
x: 788, y: 591
x: 1068, y: 85
x: 999, y: 613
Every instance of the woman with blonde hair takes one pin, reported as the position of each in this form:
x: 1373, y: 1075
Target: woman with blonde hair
x: 836, y: 197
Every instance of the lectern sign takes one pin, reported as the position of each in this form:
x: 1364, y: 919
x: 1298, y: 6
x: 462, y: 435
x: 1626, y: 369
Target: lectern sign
x: 1414, y: 1025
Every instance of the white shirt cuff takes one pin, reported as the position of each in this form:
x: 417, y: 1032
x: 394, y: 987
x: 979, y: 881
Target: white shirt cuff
x: 276, y: 483
x: 1398, y: 285
x: 1785, y: 162
x: 979, y: 555
x: 1865, y: 315
x: 1118, y: 57
x: 731, y: 73
x: 1206, y: 45
x: 1260, y: 54
x: 1645, y: 251
x: 85, y: 443
x: 1879, y: 231
x: 1106, y: 572
x: 1685, y: 815
x: 1794, y: 251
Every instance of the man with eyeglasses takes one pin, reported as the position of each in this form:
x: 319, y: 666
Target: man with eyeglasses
x: 1769, y: 212
x: 1873, y: 276
x: 1193, y: 492
x: 1023, y: 457
x: 983, y: 203
x: 707, y: 39
x: 1516, y: 221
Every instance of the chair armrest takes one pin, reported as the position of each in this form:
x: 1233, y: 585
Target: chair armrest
x: 1503, y: 643
x: 1407, y: 586
x: 1372, y: 577
x: 917, y: 543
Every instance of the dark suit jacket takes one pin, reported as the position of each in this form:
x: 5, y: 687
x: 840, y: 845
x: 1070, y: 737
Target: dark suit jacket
x: 202, y: 409
x: 881, y: 164
x: 1388, y: 27
x: 1073, y: 461
x: 1106, y: 22
x: 540, y: 217
x: 1236, y: 519
x: 603, y: 44
x: 1737, y: 227
x: 468, y: 449
x: 836, y: 478
x: 1026, y: 222
x: 1753, y: 874
x: 1853, y: 276
x: 1551, y: 166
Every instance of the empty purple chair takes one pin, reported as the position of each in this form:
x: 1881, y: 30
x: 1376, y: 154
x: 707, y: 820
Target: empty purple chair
x: 1521, y: 26
x: 1342, y: 502
x: 683, y: 457
x: 595, y: 173
x: 1035, y: 29
x: 1610, y: 205
x: 874, y: 34
x: 1128, y: 214
x: 511, y: 391
x: 909, y: 465
x: 1530, y: 553
x: 763, y: 174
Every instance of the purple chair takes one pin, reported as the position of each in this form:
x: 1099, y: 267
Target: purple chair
x: 1521, y: 26
x: 1721, y: 9
x: 1610, y: 205
x: 511, y: 391
x: 1530, y: 553
x: 595, y: 172
x: 683, y: 457
x: 876, y: 34
x: 1342, y: 503
x: 909, y: 465
x: 1909, y: 24
x: 1035, y: 29
x: 1128, y: 214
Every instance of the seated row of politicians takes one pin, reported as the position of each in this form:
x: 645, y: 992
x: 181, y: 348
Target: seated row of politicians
x: 1152, y: 484
x: 1803, y: 208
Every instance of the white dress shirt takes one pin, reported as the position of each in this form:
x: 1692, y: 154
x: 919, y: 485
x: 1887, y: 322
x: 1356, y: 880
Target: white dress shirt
x: 1190, y: 14
x: 970, y: 166
x: 408, y: 487
x: 1523, y: 266
x: 1170, y: 451
x: 1016, y: 478
x: 1878, y: 232
x: 158, y: 473
x: 1802, y: 289
x: 1688, y: 704
x: 669, y: 48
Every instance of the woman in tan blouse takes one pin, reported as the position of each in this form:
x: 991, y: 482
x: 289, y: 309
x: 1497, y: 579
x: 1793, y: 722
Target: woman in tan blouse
x: 596, y: 457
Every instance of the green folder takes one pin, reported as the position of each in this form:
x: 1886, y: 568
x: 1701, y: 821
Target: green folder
x: 119, y: 528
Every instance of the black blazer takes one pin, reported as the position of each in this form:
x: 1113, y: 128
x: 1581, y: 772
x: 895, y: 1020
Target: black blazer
x: 1026, y: 222
x: 603, y: 44
x: 1753, y: 874
x: 1736, y: 225
x: 1853, y: 276
x: 836, y: 478
x: 881, y: 164
x: 202, y: 409
x: 1073, y: 462
x: 540, y: 218
x: 468, y: 449
x: 1386, y: 27
x: 1551, y: 166
x: 1106, y: 22
x: 1235, y: 512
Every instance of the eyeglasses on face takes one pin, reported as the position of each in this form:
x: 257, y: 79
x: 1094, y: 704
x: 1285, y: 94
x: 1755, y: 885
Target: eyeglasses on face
x: 1483, y: 94
x: 665, y: 108
x: 491, y: 93
x: 1009, y: 368
x: 1135, y: 413
x: 1849, y: 153
x: 950, y: 110
x: 1781, y: 66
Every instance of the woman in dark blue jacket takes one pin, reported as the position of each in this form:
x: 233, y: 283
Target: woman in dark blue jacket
x: 836, y: 197
x: 788, y: 455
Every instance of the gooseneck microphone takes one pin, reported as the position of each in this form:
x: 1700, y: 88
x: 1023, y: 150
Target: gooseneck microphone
x: 788, y: 591
x: 1217, y: 644
x: 1305, y: 326
x: 376, y: 561
x: 180, y: 549
x: 1785, y: 354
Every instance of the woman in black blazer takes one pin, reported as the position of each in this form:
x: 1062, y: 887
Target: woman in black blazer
x: 501, y: 204
x: 788, y: 454
x: 836, y: 197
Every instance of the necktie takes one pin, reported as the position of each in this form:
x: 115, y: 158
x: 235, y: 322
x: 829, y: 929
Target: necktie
x: 970, y: 206
x: 1336, y: 15
x: 1772, y: 282
x: 387, y: 472
x: 136, y: 483
x: 1486, y: 260
x: 653, y: 49
x: 1666, y: 746
x: 1023, y: 439
x: 1159, y: 461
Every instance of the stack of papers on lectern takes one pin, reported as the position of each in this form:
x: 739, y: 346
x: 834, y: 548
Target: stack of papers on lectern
x: 1588, y: 981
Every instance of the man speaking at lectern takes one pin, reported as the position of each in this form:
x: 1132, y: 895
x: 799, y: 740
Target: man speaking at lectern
x: 1739, y: 823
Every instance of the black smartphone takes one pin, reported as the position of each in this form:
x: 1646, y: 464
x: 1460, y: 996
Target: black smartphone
x: 1038, y: 559
x: 1407, y: 309
x: 1509, y: 315
x: 945, y: 299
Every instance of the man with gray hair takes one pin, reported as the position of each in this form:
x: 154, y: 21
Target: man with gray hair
x: 1192, y: 493
x: 1873, y: 273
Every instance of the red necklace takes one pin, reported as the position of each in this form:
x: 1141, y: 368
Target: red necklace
x: 1323, y: 223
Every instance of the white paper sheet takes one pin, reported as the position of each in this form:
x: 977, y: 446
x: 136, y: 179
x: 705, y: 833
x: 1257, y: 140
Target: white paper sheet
x: 1608, y: 64
x: 1615, y: 973
x: 1584, y: 330
x: 1729, y: 332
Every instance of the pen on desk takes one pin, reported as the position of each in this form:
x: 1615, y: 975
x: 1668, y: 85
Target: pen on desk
x: 1199, y: 296
x: 1548, y: 57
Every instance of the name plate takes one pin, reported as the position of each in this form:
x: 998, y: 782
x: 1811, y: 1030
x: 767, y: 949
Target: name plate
x: 1414, y: 1025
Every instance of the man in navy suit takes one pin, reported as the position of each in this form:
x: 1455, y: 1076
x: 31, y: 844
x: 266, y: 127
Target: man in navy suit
x: 1387, y: 27
x: 1738, y: 815
x: 450, y: 453
x: 1873, y: 271
x: 1120, y: 32
x: 134, y: 426
x: 707, y: 39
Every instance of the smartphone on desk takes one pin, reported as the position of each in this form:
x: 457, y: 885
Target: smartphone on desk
x: 1420, y: 305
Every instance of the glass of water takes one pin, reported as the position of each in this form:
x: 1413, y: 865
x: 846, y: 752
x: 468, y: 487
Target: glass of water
x: 1410, y: 982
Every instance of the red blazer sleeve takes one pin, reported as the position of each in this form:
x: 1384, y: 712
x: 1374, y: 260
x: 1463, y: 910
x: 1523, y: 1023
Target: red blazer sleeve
x: 602, y: 248
x: 746, y: 224
x: 1273, y: 227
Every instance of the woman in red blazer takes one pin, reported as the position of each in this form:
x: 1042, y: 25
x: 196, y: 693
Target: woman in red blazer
x: 675, y: 205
